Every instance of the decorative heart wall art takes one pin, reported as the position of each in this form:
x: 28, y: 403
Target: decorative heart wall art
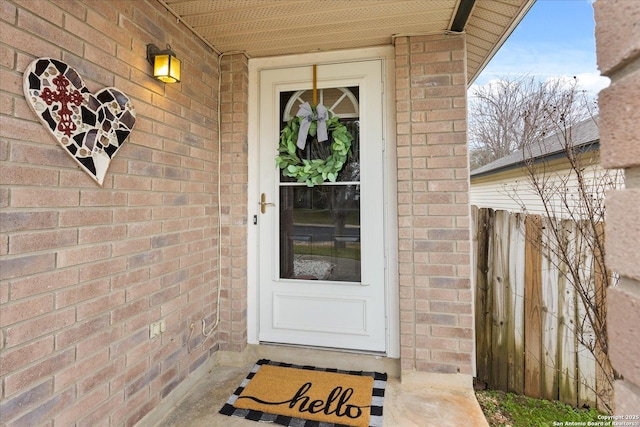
x: 91, y: 128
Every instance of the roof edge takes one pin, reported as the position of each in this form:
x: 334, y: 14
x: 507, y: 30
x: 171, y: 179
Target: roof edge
x: 585, y: 147
x: 527, y: 6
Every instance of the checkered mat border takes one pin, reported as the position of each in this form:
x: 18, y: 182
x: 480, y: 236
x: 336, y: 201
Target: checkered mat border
x: 377, y: 399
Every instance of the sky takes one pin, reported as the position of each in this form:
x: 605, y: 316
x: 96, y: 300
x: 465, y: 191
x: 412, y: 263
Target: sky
x: 555, y: 38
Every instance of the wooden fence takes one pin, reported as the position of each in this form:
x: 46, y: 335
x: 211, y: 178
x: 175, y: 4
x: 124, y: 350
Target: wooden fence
x: 526, y: 314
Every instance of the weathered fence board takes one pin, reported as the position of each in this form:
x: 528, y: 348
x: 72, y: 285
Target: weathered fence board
x: 499, y: 279
x: 549, y: 276
x: 528, y: 312
x: 586, y: 359
x: 516, y: 287
x: 533, y: 307
x: 484, y: 231
x: 604, y: 370
x: 568, y: 340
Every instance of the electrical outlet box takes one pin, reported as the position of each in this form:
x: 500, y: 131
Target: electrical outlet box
x: 157, y: 328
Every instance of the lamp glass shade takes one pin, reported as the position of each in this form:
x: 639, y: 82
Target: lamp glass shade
x: 166, y: 68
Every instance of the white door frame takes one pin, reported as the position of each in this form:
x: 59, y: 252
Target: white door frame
x: 390, y: 185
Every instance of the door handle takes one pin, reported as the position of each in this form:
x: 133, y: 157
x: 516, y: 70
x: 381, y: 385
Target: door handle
x: 264, y: 203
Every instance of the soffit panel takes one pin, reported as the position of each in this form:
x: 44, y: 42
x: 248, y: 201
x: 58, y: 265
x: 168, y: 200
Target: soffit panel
x: 283, y: 27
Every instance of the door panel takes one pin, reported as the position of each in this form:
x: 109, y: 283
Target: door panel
x: 321, y: 249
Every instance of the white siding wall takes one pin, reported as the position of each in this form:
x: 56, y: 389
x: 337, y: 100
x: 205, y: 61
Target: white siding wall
x: 512, y: 190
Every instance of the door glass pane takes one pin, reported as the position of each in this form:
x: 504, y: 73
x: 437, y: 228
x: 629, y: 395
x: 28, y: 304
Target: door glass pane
x: 320, y: 232
x: 320, y: 226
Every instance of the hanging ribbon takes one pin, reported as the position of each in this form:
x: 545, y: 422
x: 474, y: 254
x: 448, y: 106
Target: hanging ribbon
x: 306, y: 113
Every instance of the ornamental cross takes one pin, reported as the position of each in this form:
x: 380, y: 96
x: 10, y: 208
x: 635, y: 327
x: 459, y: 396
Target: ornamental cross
x: 65, y: 98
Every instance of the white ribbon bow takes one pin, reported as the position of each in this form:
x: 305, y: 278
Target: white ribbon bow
x: 306, y: 113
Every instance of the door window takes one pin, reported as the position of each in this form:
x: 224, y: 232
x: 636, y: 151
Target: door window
x: 320, y: 226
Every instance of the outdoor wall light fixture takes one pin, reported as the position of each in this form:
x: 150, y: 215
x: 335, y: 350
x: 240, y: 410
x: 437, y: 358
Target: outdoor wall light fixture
x: 166, y: 67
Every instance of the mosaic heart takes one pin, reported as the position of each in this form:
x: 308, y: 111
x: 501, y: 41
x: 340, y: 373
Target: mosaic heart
x: 91, y: 128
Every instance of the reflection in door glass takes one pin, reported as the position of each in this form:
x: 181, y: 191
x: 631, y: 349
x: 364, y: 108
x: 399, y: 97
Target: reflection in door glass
x: 320, y: 233
x: 320, y: 226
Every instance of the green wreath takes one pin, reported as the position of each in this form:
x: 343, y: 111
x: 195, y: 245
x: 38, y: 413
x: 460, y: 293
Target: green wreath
x: 317, y: 171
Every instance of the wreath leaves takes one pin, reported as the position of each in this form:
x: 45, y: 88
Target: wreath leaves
x: 316, y: 171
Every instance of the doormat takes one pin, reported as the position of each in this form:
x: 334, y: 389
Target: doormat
x: 306, y: 396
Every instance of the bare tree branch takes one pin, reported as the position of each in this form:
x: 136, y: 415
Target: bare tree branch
x: 535, y: 117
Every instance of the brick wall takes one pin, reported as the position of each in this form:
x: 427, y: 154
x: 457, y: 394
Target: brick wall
x: 234, y: 181
x: 85, y: 269
x: 618, y: 50
x: 436, y: 308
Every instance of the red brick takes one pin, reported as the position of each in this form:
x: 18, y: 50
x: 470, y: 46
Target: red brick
x: 98, y: 376
x: 437, y: 343
x: 26, y: 265
x: 145, y: 199
x: 612, y: 19
x: 43, y: 154
x: 101, y: 340
x: 450, y: 307
x: 80, y: 217
x: 627, y: 398
x: 133, y: 370
x: 175, y: 139
x: 11, y: 361
x: 102, y: 269
x: 40, y: 241
x: 101, y: 234
x: 37, y: 198
x: 88, y: 309
x: 9, y: 81
x: 131, y: 215
x: 452, y: 332
x: 144, y: 228
x: 441, y: 368
x: 129, y: 310
x: 123, y: 182
x: 618, y: 132
x: 623, y: 233
x: 4, y: 295
x: 43, y: 283
x: 45, y: 410
x: 144, y: 259
x: 26, y: 309
x: 38, y: 327
x: 81, y: 369
x: 102, y: 198
x: 624, y: 338
x: 450, y: 283
x: 48, y: 12
x: 82, y: 406
x: 451, y: 356
x: 448, y: 234
x: 25, y: 401
x: 20, y: 221
x: 451, y: 259
x: 126, y: 247
x: 69, y: 257
x: 18, y: 380
x: 27, y: 175
x: 128, y: 278
x: 86, y: 291
x: 102, y: 411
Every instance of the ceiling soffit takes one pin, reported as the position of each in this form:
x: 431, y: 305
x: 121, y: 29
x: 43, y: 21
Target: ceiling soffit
x: 281, y: 27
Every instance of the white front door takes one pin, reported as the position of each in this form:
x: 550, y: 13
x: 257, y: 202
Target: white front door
x: 321, y: 249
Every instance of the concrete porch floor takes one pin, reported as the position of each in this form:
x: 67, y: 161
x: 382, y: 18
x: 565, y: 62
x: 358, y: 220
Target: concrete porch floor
x: 419, y: 400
